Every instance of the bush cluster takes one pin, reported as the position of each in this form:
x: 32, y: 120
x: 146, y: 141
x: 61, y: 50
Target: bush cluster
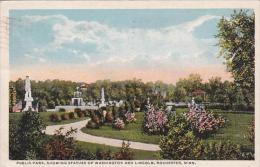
x: 117, y: 117
x: 155, y: 121
x: 78, y: 113
x: 202, y: 122
x: 119, y: 124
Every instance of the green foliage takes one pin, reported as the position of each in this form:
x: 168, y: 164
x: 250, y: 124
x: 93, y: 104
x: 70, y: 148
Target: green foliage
x: 237, y: 44
x: 104, y: 155
x: 14, y: 144
x: 251, y: 132
x: 178, y: 142
x: 62, y: 110
x: 12, y: 97
x: 27, y: 136
x: 51, y: 104
x: 222, y: 151
x: 80, y: 154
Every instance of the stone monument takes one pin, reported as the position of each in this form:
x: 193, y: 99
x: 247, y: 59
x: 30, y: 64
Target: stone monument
x: 77, y: 100
x: 102, y: 104
x: 28, y: 95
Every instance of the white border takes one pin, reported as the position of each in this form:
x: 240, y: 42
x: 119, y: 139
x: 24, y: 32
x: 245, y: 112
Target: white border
x: 4, y: 61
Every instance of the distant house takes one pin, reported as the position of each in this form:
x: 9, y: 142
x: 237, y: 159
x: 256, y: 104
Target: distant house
x: 17, y: 107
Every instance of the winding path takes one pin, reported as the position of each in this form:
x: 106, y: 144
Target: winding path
x: 80, y: 136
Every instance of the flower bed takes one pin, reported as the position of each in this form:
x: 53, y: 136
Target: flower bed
x: 119, y: 124
x: 130, y: 117
x: 155, y: 121
x: 202, y: 122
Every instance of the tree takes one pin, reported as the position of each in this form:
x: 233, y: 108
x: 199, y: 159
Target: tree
x: 12, y: 97
x: 27, y: 138
x: 237, y: 46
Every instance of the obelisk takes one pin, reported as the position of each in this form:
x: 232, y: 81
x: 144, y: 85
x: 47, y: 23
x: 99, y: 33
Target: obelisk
x: 103, y: 104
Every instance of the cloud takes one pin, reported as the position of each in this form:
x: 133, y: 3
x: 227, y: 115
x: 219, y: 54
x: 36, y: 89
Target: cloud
x: 112, y: 47
x: 31, y: 57
x: 192, y: 25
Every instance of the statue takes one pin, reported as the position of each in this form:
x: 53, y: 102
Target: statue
x: 28, y: 95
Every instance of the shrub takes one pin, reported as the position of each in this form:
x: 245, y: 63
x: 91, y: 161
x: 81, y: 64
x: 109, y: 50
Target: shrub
x: 96, y: 119
x: 125, y: 152
x: 55, y: 117
x: 137, y: 104
x: 79, y: 113
x: 72, y: 115
x: 121, y: 111
x: 109, y: 116
x: 85, y: 113
x: 80, y: 154
x: 179, y: 140
x: 130, y: 117
x: 251, y: 132
x: 92, y: 125
x: 155, y: 121
x: 62, y: 110
x: 60, y: 146
x: 104, y: 155
x: 119, y: 124
x: 202, y: 122
x: 222, y: 151
x: 65, y: 116
x: 115, y: 111
x: 14, y: 145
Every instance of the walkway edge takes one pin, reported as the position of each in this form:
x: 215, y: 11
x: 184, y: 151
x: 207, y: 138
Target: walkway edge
x: 80, y: 136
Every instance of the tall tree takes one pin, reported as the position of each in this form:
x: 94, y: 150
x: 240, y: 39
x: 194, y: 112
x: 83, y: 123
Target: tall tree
x: 237, y: 46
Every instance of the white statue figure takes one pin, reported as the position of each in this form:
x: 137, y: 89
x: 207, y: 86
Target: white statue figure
x: 148, y: 101
x: 193, y: 101
x: 28, y: 95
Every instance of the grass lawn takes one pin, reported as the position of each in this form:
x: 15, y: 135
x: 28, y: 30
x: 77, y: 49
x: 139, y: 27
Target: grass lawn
x: 132, y: 132
x: 14, y: 117
x: 235, y: 130
x: 138, y: 154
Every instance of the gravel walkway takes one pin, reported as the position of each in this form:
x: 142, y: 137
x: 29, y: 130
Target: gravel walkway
x: 80, y: 136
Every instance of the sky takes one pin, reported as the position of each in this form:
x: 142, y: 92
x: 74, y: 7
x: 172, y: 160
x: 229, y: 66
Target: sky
x: 116, y: 44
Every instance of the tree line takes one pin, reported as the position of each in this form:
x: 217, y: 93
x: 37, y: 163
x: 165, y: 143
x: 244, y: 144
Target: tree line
x: 51, y: 93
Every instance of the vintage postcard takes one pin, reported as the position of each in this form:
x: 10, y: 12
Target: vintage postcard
x: 129, y: 83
